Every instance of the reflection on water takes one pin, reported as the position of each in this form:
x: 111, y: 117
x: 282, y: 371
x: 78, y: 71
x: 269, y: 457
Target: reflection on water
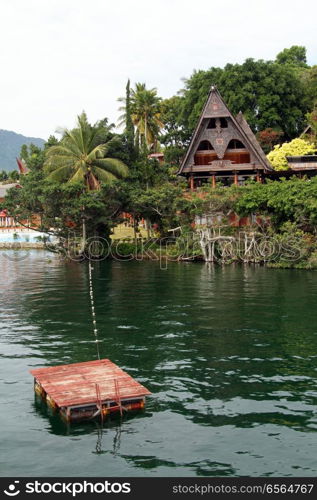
x: 94, y: 427
x: 228, y: 353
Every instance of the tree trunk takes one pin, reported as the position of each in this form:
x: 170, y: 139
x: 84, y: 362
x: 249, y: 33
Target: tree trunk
x: 135, y: 225
x: 84, y: 236
x: 145, y: 129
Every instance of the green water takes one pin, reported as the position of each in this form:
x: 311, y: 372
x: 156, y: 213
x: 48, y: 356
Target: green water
x: 230, y: 355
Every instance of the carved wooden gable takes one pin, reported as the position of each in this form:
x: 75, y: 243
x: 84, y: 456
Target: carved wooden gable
x: 215, y: 107
x: 219, y: 127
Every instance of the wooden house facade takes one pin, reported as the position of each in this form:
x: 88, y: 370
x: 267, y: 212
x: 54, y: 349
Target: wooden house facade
x: 223, y: 148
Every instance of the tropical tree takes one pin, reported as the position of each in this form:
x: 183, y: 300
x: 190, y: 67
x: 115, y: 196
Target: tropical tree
x: 269, y: 94
x: 144, y: 107
x: 295, y: 56
x: 79, y: 158
x: 126, y: 121
x: 173, y: 136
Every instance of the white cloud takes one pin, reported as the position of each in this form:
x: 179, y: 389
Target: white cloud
x: 59, y: 57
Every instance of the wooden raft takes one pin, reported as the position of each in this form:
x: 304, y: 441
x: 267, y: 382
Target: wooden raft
x: 83, y: 391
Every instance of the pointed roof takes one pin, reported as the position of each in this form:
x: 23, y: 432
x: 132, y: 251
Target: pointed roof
x: 216, y: 108
x: 253, y: 140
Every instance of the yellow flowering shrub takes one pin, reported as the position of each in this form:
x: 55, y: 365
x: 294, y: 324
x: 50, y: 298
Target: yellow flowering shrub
x: 297, y: 147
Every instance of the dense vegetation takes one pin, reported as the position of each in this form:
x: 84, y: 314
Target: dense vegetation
x: 80, y: 185
x: 286, y: 216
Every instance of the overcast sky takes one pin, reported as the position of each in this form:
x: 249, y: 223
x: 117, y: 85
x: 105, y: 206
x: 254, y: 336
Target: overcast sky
x: 59, y: 57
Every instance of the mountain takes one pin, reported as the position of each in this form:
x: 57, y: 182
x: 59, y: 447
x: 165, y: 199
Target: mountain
x: 10, y: 146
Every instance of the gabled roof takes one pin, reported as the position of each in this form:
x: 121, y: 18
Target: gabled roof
x: 216, y: 108
x: 253, y: 140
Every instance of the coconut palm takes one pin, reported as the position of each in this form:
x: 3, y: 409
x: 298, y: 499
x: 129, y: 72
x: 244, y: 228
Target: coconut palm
x: 145, y: 115
x: 78, y: 158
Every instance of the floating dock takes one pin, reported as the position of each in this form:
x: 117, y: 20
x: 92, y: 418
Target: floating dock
x: 93, y: 389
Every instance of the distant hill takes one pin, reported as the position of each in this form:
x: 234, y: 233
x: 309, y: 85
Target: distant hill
x: 10, y: 146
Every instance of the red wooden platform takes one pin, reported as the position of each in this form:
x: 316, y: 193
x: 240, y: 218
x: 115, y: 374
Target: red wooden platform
x: 83, y: 384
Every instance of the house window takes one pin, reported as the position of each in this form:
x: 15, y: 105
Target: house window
x: 205, y: 153
x: 204, y: 146
x: 213, y: 123
x: 235, y: 144
x: 237, y: 152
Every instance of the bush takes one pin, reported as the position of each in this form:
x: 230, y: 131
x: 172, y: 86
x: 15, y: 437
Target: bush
x: 297, y: 147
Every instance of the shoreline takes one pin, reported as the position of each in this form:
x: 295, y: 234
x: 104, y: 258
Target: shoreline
x: 16, y: 246
x: 21, y: 245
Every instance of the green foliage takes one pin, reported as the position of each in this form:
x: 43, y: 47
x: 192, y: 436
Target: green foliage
x: 293, y: 200
x: 294, y: 56
x: 311, y: 262
x: 3, y: 175
x: 146, y: 116
x: 286, y: 201
x: 60, y: 208
x: 33, y: 156
x: 129, y: 128
x: 173, y: 136
x: 309, y: 79
x: 14, y: 175
x: 159, y: 204
x: 269, y: 94
x: 286, y: 212
x: 296, y: 147
x: 298, y: 244
x: 8, y: 177
x: 79, y: 157
x: 127, y: 248
x: 86, y: 181
x: 142, y: 107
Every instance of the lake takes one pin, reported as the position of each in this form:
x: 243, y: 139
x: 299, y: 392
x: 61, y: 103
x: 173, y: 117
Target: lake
x: 229, y: 353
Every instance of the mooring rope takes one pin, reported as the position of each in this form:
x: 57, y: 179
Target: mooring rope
x: 93, y: 313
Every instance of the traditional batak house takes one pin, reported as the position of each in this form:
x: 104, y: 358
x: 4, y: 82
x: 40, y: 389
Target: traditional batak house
x: 223, y: 148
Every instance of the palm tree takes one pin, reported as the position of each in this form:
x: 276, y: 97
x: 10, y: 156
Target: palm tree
x: 78, y: 157
x: 145, y: 114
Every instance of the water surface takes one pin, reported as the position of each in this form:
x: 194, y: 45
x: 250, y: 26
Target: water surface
x: 228, y: 353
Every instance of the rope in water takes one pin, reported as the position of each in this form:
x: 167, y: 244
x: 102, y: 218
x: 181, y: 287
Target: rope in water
x: 93, y: 314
